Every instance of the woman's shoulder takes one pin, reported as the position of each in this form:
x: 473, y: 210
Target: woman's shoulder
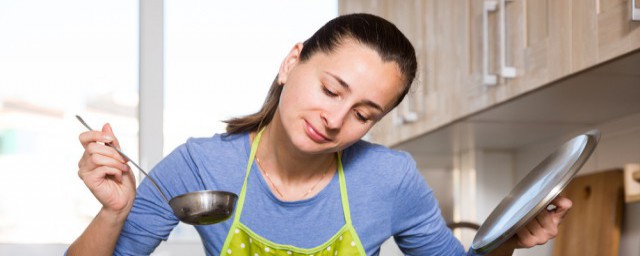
x: 378, y: 164
x: 368, y: 152
x: 217, y: 139
x: 220, y: 143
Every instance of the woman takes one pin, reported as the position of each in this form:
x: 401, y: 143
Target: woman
x: 315, y: 187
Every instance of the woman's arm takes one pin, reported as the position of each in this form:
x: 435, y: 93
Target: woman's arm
x: 108, y: 177
x: 101, y: 235
x: 422, y: 230
x: 418, y: 225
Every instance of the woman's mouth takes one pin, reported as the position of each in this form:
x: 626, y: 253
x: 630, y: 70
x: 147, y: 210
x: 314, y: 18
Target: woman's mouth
x: 314, y: 134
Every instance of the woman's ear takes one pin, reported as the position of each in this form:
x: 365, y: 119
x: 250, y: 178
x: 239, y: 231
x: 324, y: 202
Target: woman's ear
x: 288, y: 63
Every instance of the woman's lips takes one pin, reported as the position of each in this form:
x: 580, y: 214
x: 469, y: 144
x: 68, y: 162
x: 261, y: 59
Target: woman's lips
x: 314, y: 134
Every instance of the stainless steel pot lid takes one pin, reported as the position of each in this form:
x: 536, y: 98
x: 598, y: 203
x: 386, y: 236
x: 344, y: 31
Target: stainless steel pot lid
x: 534, y: 192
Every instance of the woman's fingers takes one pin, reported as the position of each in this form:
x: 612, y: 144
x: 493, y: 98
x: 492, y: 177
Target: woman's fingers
x: 100, y: 174
x: 94, y: 136
x: 98, y: 161
x: 548, y: 223
x: 563, y: 205
x: 100, y: 155
x: 95, y: 148
x: 544, y: 227
x: 531, y: 235
x: 101, y: 160
x: 104, y: 136
x: 99, y: 171
x: 96, y: 154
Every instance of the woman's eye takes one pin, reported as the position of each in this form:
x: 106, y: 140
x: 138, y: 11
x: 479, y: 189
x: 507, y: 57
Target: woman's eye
x: 361, y: 117
x: 328, y: 92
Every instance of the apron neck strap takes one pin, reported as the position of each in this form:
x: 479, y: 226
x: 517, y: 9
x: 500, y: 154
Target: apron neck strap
x: 243, y: 192
x: 343, y: 191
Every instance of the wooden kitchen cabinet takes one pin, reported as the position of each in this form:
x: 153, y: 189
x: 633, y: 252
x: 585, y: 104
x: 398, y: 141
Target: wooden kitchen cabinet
x: 545, y: 40
x: 537, y: 47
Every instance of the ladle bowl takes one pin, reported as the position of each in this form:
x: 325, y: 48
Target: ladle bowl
x: 203, y: 207
x: 196, y: 208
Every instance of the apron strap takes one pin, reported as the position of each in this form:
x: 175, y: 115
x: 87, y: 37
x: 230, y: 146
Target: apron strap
x: 343, y: 191
x: 243, y: 192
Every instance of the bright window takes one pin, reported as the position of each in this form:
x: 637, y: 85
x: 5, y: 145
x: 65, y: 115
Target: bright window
x: 58, y: 59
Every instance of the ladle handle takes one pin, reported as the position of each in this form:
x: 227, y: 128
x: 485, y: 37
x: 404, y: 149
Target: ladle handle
x: 128, y: 158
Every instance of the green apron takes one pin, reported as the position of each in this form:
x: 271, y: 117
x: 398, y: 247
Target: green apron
x: 242, y: 241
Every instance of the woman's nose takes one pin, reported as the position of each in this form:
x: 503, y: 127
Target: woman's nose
x: 333, y: 119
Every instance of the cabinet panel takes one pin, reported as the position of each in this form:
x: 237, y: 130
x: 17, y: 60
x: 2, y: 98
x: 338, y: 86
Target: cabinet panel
x: 479, y: 94
x: 559, y: 42
x: 354, y: 6
x: 602, y: 30
x: 536, y: 11
x: 584, y: 30
x: 613, y: 27
x: 546, y: 40
x: 547, y: 44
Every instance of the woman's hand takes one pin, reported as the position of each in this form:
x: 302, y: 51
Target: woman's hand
x: 544, y: 227
x: 538, y: 231
x: 105, y: 172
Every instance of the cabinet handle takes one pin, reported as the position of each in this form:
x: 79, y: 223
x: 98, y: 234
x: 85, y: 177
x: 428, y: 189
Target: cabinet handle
x: 635, y: 11
x: 487, y: 79
x: 505, y: 71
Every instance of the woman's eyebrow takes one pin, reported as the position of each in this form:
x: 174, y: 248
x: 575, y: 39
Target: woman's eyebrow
x: 346, y: 86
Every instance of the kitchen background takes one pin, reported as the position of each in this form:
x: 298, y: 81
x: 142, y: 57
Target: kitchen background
x: 501, y: 85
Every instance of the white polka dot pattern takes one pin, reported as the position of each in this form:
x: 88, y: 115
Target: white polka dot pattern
x: 244, y: 243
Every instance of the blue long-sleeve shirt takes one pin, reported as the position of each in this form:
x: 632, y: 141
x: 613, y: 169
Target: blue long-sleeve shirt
x: 387, y: 196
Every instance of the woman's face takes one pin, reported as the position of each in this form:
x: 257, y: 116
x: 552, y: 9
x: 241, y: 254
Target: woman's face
x: 331, y: 100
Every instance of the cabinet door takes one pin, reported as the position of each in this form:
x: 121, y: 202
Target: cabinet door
x: 537, y: 44
x: 547, y: 42
x: 615, y: 33
x: 494, y: 45
x: 356, y: 6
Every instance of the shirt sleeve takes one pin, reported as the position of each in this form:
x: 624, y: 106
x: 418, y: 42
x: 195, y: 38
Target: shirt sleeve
x: 418, y: 226
x: 151, y: 219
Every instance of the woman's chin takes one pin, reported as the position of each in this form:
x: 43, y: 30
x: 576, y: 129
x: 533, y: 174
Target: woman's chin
x: 308, y: 146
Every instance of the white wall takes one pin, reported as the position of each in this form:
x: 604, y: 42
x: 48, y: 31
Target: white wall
x: 482, y: 178
x: 619, y: 144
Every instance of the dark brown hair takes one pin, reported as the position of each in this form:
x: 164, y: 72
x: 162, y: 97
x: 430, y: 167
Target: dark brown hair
x: 370, y: 30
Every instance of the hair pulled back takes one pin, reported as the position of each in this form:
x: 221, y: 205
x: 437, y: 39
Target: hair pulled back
x: 367, y: 29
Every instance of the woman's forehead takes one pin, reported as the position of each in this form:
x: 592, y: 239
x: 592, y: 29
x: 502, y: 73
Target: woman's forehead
x: 364, y: 70
x: 358, y: 55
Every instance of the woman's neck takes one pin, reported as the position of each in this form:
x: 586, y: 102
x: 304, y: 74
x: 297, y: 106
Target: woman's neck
x: 280, y: 158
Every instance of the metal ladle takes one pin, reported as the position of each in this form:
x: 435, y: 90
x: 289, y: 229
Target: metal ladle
x: 196, y: 208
